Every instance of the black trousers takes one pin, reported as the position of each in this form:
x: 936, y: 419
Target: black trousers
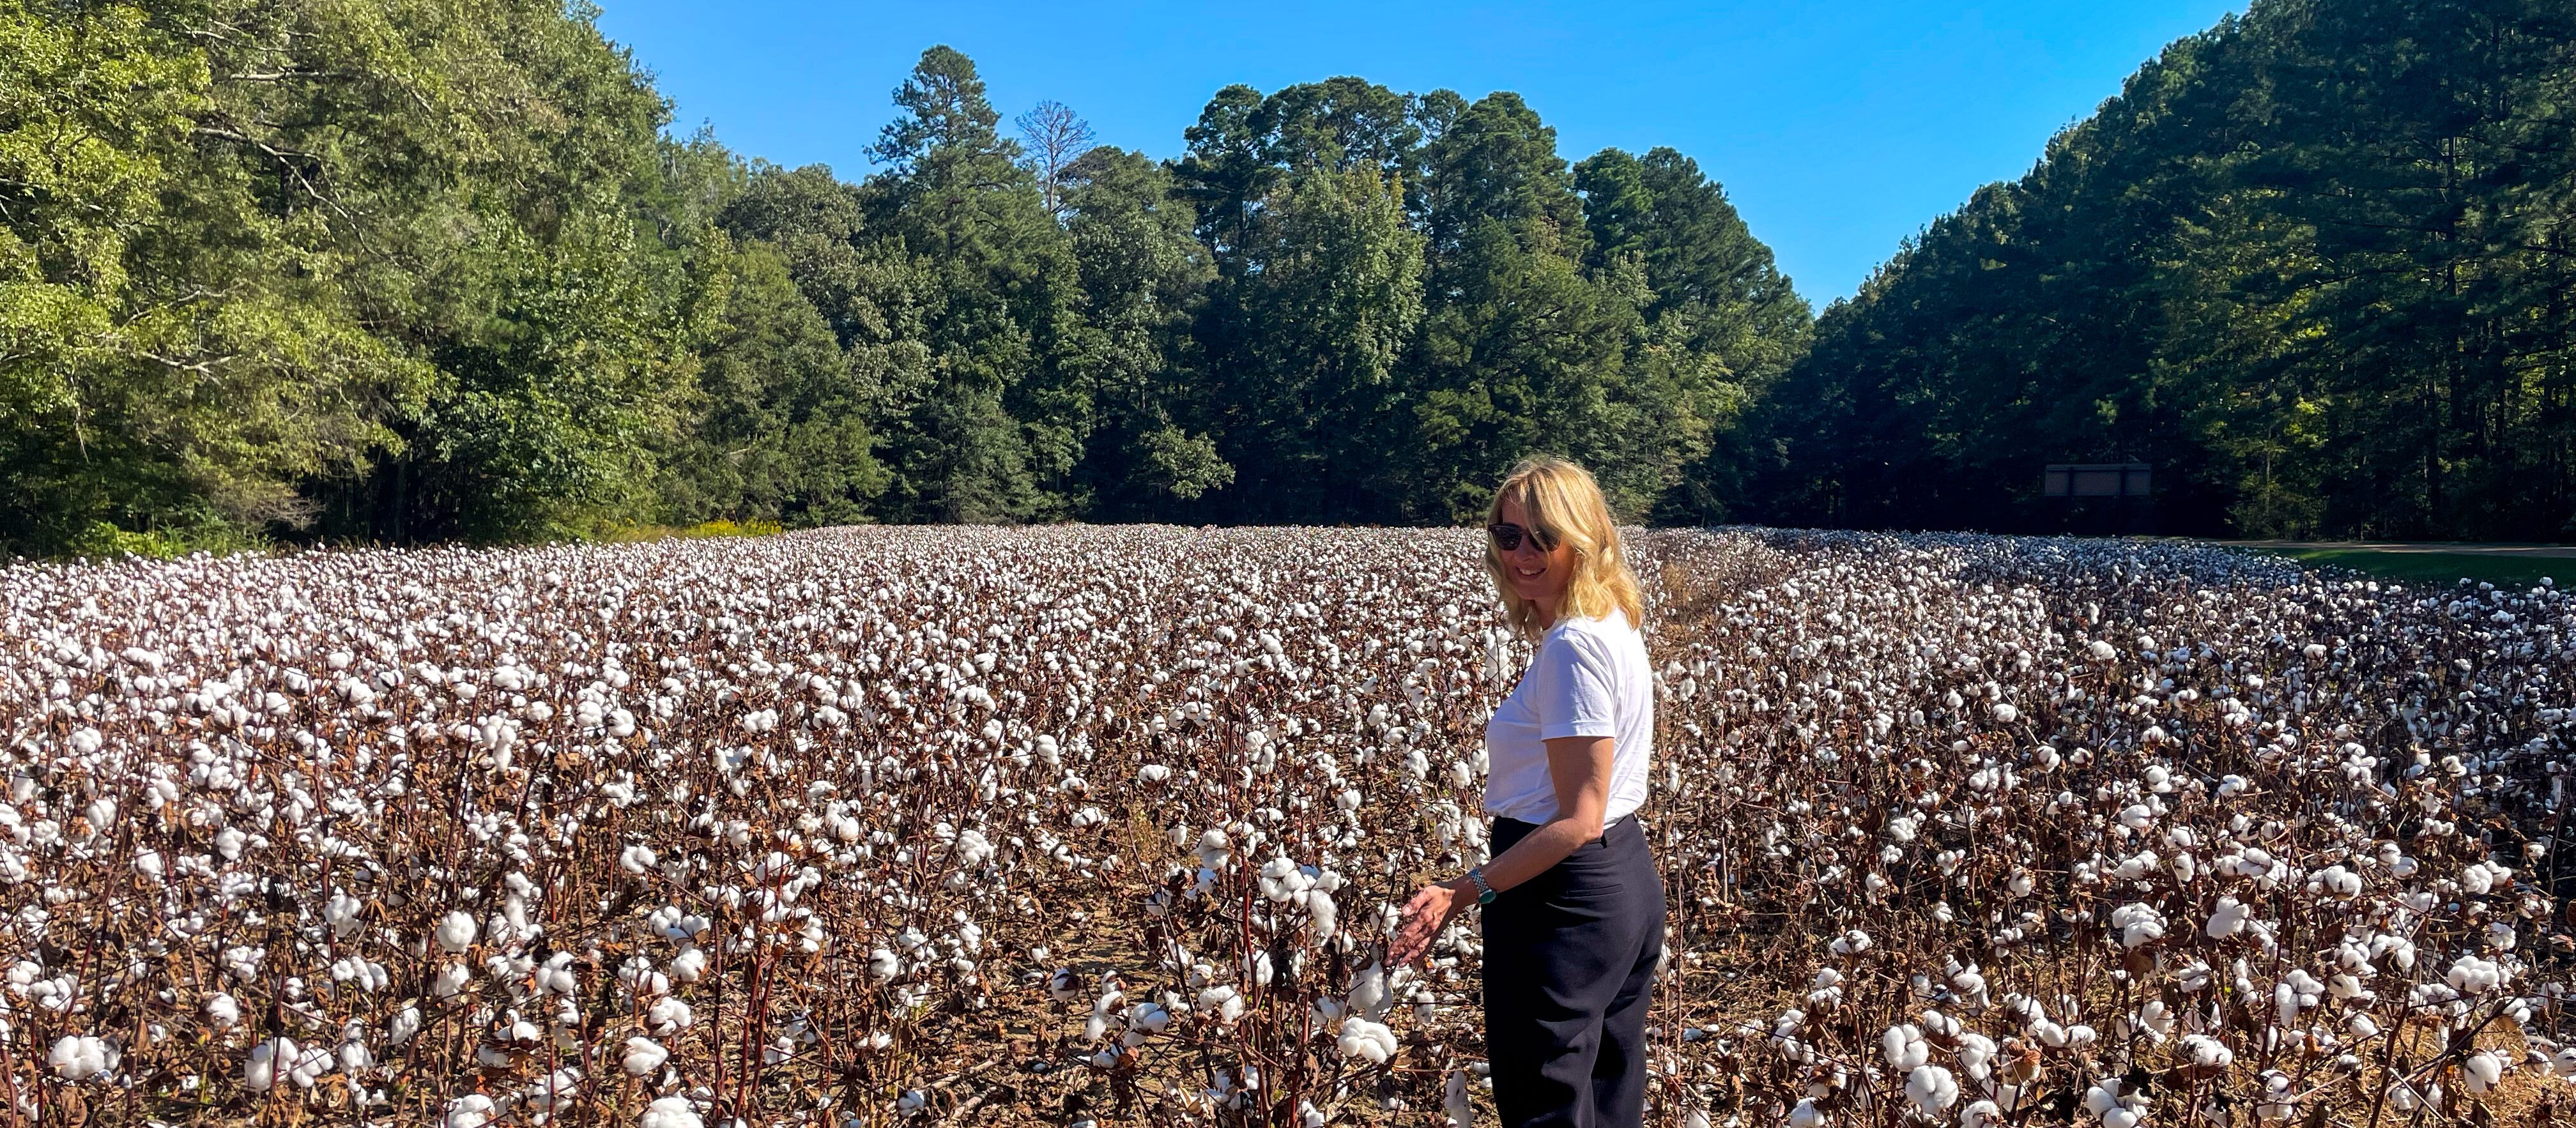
x: 1569, y: 958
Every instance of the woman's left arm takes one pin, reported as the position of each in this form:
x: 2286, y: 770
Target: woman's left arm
x: 1579, y: 767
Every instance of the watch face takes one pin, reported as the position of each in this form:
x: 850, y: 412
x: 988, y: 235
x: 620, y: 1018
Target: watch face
x: 1485, y: 898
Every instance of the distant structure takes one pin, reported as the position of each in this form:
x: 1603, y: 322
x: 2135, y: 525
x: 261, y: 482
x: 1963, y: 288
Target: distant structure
x: 2101, y: 498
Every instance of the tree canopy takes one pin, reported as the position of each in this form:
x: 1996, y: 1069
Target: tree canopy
x: 327, y: 271
x: 334, y: 271
x: 2314, y: 264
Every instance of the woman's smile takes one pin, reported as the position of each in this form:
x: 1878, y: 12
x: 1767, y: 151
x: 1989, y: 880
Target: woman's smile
x: 1537, y: 575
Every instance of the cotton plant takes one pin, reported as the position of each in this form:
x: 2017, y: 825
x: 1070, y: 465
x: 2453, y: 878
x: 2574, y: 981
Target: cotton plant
x: 539, y: 822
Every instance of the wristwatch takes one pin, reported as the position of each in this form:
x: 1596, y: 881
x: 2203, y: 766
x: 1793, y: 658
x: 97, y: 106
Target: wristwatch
x: 1484, y: 893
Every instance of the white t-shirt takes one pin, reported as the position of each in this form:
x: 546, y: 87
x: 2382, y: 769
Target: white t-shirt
x: 1590, y: 677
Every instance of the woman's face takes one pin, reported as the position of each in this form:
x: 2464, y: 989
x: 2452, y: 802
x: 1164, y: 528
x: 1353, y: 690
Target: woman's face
x: 1536, y: 576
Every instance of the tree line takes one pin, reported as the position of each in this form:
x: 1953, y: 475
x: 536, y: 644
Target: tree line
x: 340, y: 272
x: 2317, y: 265
x: 343, y: 272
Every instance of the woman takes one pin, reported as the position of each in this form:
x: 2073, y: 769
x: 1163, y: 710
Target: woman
x: 1574, y: 907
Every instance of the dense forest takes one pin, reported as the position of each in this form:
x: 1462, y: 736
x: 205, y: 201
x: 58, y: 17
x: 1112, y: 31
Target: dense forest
x: 330, y: 271
x: 2316, y: 265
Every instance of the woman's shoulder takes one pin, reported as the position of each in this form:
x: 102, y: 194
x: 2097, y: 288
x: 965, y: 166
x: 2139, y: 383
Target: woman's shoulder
x: 1613, y: 625
x: 1603, y: 634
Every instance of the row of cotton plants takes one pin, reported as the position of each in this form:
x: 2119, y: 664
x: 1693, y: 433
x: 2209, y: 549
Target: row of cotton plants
x: 2124, y: 833
x: 1059, y: 825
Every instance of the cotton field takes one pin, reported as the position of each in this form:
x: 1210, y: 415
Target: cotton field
x: 1102, y: 826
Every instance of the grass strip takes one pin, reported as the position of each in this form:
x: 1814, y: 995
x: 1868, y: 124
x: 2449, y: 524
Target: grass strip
x: 2435, y: 567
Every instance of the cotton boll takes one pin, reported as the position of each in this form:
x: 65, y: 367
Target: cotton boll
x: 1282, y: 880
x: 1931, y: 1088
x: 1976, y: 1055
x: 1149, y: 1018
x: 1323, y: 912
x: 2274, y: 1099
x: 670, y: 1112
x: 2471, y: 975
x: 474, y: 1110
x: 1223, y: 1002
x: 456, y: 932
x: 639, y: 978
x: 643, y: 1056
x: 1369, y: 995
x: 2501, y: 935
x: 690, y: 965
x: 2152, y: 1020
x: 2106, y: 1101
x: 2406, y: 1098
x: 450, y: 980
x: 1215, y: 849
x: 259, y: 1073
x: 79, y: 1057
x: 2477, y: 879
x: 2339, y: 882
x: 2206, y: 1052
x: 547, y: 1093
x: 556, y: 975
x: 1363, y: 1039
x: 669, y: 1016
x: 2480, y: 1072
x: 1969, y: 982
x: 2137, y: 924
x: 2226, y: 920
x: 304, y: 1065
x: 355, y: 1056
x: 1904, y: 1047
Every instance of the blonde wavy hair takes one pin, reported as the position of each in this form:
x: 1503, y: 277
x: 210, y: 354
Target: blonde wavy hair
x: 1563, y: 502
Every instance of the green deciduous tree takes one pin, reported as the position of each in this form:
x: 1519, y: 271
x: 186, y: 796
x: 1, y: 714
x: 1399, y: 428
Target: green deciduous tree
x: 1144, y: 276
x: 333, y: 271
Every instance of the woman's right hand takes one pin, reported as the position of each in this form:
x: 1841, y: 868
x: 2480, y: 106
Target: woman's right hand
x: 1424, y: 916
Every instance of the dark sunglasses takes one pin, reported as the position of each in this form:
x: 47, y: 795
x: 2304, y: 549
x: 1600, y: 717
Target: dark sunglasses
x: 1507, y: 537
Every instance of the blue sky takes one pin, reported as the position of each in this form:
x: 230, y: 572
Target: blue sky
x: 1838, y: 128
